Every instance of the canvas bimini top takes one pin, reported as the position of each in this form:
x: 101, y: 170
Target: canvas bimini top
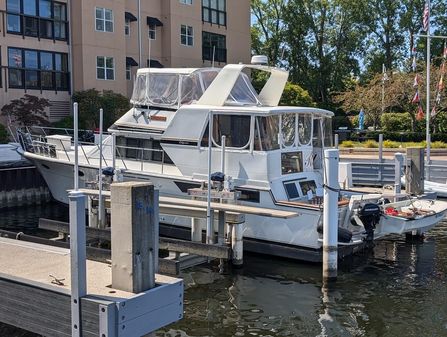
x: 174, y: 87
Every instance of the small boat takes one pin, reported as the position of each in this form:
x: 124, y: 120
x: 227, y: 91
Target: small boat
x: 272, y: 157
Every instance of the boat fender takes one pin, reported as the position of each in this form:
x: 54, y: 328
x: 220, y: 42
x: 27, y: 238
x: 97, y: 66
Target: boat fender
x: 344, y: 235
x: 369, y: 215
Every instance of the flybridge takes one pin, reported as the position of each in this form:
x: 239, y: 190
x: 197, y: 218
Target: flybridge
x: 172, y: 88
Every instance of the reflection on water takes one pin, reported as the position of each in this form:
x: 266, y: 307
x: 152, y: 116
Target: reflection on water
x: 398, y: 289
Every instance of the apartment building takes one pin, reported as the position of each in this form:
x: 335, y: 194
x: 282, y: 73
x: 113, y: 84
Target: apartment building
x: 50, y: 48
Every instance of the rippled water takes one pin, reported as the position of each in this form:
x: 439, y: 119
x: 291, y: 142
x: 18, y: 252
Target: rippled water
x: 398, y: 289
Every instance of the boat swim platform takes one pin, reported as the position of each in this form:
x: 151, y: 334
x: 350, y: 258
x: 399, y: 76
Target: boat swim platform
x: 35, y: 287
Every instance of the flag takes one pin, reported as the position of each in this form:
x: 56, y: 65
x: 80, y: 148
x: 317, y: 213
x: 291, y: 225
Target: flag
x: 361, y: 119
x: 441, y: 83
x: 426, y: 17
x: 433, y: 111
x: 420, y: 115
x: 416, y: 81
x: 416, y: 99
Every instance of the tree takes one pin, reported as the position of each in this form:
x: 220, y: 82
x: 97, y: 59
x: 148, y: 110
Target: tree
x: 90, y: 101
x: 27, y: 111
x: 294, y: 95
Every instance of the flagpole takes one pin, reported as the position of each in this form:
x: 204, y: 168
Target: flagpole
x: 427, y: 111
x: 383, y: 87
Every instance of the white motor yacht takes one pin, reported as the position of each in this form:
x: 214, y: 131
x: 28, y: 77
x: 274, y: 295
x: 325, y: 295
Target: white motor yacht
x: 272, y: 156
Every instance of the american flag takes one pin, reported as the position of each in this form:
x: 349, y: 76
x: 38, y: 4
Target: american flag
x: 426, y: 17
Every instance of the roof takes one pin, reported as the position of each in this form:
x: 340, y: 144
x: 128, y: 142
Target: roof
x: 265, y: 110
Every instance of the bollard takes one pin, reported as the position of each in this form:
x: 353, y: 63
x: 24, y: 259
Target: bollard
x: 134, y: 236
x: 336, y: 140
x: 330, y: 215
x: 398, y: 163
x: 77, y: 258
x: 237, y: 247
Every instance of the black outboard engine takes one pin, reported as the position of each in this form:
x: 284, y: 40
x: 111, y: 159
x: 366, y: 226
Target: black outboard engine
x: 370, y: 215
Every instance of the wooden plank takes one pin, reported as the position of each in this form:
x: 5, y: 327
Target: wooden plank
x: 175, y: 245
x: 268, y: 212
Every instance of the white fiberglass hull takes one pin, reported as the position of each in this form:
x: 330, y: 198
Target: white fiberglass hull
x: 300, y: 231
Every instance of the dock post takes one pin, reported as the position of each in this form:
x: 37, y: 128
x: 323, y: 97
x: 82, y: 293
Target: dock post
x: 398, y: 163
x: 221, y: 228
x: 77, y: 258
x: 336, y: 140
x: 415, y: 175
x: 196, y: 230
x: 380, y: 157
x: 330, y: 215
x: 237, y: 244
x: 134, y: 236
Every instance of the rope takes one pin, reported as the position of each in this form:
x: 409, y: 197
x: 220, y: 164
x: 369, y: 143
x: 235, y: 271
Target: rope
x: 331, y: 188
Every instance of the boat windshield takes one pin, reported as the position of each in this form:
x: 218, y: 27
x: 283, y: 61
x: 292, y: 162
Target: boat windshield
x: 171, y: 90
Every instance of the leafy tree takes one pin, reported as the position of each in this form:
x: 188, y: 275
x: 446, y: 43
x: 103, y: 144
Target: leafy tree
x: 90, y: 101
x: 3, y: 134
x: 393, y: 122
x: 27, y: 111
x: 294, y: 95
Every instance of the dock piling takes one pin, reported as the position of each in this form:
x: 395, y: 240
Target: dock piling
x: 330, y: 215
x: 237, y: 247
x: 134, y: 236
x: 77, y: 258
x: 398, y: 163
x: 415, y: 175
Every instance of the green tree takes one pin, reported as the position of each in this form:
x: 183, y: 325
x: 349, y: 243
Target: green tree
x: 294, y: 95
x: 90, y: 101
x: 27, y: 111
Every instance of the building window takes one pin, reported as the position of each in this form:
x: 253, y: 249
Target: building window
x: 214, y: 11
x: 152, y: 32
x: 127, y: 27
x: 128, y: 72
x: 186, y: 2
x: 214, y: 47
x: 186, y: 35
x: 105, y: 68
x: 37, y: 18
x: 36, y: 69
x: 104, y: 19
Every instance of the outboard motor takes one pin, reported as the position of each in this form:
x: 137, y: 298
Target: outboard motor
x: 218, y: 179
x: 370, y: 215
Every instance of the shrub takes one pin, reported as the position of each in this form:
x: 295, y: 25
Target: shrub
x: 3, y: 134
x: 371, y: 144
x: 396, y: 122
x: 347, y: 144
x: 389, y: 144
x: 65, y: 123
x: 438, y: 145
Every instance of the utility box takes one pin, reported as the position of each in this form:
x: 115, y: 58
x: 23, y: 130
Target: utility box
x: 415, y: 173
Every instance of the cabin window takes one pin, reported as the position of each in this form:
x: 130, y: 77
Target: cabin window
x: 266, y: 133
x: 291, y: 162
x: 327, y: 132
x: 249, y: 195
x: 291, y: 190
x: 288, y: 129
x: 141, y: 149
x: 308, y: 185
x: 304, y: 129
x: 235, y: 128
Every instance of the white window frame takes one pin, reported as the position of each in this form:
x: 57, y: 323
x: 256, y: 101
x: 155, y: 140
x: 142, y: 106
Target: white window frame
x: 104, y: 20
x: 128, y: 72
x: 186, y: 2
x: 105, y: 68
x: 127, y: 27
x: 186, y: 35
x: 152, y: 30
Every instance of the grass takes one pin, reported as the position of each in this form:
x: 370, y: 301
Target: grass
x: 389, y: 144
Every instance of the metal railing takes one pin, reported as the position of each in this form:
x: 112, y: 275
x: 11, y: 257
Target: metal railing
x: 38, y: 144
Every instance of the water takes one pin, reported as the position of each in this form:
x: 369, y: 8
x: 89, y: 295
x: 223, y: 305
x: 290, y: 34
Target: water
x: 399, y: 289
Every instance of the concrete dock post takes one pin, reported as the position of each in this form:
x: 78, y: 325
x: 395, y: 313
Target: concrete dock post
x: 330, y: 215
x: 196, y: 230
x: 398, y: 163
x: 77, y: 258
x: 134, y: 236
x: 415, y: 175
x: 336, y: 140
x: 237, y: 247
